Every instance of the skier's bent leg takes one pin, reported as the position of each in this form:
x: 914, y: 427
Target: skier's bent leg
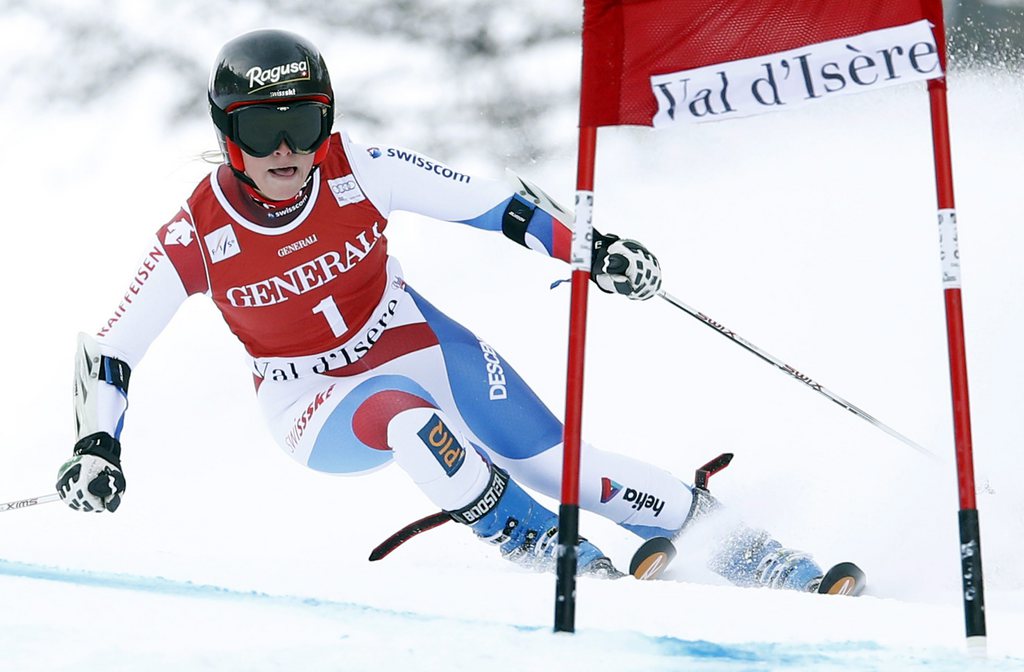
x: 651, y: 502
x: 639, y: 496
x: 521, y: 435
x: 450, y: 471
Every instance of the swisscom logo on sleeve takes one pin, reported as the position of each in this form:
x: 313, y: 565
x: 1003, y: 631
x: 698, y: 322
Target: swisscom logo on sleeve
x: 346, y: 190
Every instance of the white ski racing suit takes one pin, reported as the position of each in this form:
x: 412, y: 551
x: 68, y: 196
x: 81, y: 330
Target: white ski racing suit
x: 352, y: 367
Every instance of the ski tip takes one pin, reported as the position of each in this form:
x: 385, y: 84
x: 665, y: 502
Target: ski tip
x: 652, y: 558
x: 845, y: 578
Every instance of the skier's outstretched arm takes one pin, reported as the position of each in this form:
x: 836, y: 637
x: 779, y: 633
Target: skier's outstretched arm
x: 169, y: 271
x: 395, y: 178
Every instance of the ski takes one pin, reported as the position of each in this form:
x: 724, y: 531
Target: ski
x: 408, y: 532
x: 652, y: 558
x: 845, y: 578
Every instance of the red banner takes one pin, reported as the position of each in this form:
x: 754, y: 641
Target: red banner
x: 654, y: 62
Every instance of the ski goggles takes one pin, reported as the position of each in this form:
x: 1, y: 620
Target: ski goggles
x: 260, y: 129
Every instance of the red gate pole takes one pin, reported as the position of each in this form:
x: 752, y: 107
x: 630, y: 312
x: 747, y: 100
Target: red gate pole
x: 569, y: 509
x: 970, y: 534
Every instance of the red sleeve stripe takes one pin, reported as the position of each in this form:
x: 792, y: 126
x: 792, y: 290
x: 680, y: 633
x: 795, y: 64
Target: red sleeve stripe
x: 561, y: 240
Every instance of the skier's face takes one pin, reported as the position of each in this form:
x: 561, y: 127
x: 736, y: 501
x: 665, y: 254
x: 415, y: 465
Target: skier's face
x: 280, y: 175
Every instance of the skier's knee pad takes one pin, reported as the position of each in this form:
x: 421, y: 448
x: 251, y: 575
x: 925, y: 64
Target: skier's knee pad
x: 437, y: 456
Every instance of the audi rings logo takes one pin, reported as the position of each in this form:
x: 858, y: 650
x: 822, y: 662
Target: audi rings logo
x: 346, y: 190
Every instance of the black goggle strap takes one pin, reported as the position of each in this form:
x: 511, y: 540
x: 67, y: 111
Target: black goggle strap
x: 220, y: 118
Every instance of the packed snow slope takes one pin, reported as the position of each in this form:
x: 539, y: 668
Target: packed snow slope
x: 811, y: 234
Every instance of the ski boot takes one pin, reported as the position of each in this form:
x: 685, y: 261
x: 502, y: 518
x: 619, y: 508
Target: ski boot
x: 751, y: 558
x: 525, y: 532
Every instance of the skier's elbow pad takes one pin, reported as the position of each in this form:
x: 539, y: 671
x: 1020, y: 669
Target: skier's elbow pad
x: 101, y: 389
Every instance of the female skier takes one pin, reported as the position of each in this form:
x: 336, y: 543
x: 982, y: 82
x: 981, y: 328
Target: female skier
x: 353, y: 368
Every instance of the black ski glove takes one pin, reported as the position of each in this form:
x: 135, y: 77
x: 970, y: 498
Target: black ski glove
x: 625, y: 267
x: 92, y: 479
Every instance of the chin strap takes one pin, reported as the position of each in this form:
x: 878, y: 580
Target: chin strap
x: 245, y: 179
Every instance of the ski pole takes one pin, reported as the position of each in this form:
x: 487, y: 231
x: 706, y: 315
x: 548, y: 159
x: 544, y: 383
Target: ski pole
x: 31, y: 501
x: 817, y: 387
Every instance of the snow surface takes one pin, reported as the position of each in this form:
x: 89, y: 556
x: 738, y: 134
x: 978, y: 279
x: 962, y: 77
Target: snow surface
x: 812, y: 234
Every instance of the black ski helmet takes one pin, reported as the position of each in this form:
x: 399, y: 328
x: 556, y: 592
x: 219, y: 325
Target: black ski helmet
x: 264, y: 66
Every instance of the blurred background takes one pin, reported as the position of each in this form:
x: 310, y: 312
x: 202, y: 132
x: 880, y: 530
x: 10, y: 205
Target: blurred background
x: 471, y: 86
x: 983, y: 33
